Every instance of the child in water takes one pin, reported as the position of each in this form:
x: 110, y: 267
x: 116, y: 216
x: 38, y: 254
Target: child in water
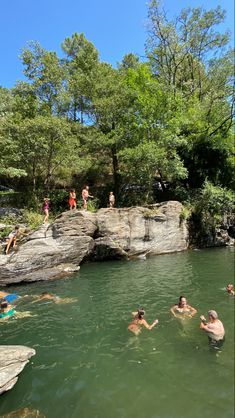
x: 230, y: 289
x: 6, y: 310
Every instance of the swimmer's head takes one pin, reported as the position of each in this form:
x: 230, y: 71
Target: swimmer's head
x: 182, y: 300
x: 141, y: 312
x: 4, y: 304
x: 43, y: 294
x: 229, y: 287
x: 213, y: 314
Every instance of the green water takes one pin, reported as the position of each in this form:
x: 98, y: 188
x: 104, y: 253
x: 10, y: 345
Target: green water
x: 87, y: 364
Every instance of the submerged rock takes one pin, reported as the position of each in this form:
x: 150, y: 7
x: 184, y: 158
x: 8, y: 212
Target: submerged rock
x: 13, y: 359
x: 54, y: 250
x: 24, y: 413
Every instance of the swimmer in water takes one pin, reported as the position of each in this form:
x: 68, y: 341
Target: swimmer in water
x: 139, y: 322
x: 213, y: 328
x: 182, y: 309
x: 6, y: 310
x: 230, y: 289
x: 9, y: 297
x: 53, y: 298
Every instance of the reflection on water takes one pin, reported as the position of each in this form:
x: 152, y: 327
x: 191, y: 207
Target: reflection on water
x: 87, y: 364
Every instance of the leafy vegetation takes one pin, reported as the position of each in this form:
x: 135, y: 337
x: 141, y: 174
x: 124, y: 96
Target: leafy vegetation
x: 148, y: 131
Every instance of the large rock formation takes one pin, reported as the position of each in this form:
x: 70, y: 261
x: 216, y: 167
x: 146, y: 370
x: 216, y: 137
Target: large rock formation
x: 55, y: 250
x: 13, y: 359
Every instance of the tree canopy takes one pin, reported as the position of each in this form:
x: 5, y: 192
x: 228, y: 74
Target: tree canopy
x: 147, y: 130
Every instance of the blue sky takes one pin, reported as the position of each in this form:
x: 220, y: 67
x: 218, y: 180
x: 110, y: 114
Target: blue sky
x: 115, y: 27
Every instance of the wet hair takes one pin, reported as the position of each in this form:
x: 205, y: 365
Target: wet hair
x: 180, y: 300
x: 17, y: 227
x: 46, y: 293
x: 230, y: 285
x: 140, y: 313
x: 213, y: 314
x: 4, y: 304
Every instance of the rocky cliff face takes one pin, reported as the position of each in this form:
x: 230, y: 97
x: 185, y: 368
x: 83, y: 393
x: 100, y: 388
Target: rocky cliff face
x: 13, y: 359
x: 55, y: 250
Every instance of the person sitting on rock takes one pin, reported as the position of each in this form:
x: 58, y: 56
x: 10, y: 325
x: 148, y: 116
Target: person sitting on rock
x: 6, y: 310
x: 11, y: 239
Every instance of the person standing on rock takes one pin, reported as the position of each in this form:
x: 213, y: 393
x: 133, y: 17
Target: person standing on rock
x: 45, y: 209
x: 111, y: 200
x: 72, y: 200
x: 85, y: 196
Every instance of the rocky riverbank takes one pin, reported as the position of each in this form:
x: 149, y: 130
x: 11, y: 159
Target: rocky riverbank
x: 56, y: 250
x: 76, y: 236
x: 13, y: 359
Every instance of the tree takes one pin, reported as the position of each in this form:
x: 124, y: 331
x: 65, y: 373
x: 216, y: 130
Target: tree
x: 80, y: 63
x: 45, y: 72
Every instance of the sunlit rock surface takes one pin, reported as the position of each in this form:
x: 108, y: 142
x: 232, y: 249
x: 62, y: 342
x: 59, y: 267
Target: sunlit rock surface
x: 13, y: 359
x: 56, y: 250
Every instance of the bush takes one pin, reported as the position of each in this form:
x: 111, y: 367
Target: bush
x: 185, y: 213
x: 214, y: 200
x: 32, y: 219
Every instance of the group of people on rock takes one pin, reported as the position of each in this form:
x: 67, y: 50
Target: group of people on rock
x: 17, y: 233
x: 73, y: 201
x: 85, y: 197
x: 213, y: 327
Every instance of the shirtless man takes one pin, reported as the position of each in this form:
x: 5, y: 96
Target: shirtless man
x: 85, y: 195
x: 138, y: 322
x: 213, y: 328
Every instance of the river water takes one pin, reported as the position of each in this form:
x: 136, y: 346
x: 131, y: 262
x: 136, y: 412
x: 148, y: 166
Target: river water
x: 88, y: 365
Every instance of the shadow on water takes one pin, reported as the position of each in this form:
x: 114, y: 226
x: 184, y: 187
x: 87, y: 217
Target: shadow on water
x: 88, y: 364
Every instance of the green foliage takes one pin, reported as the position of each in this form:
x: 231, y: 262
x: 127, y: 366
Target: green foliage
x: 93, y: 205
x: 32, y: 219
x: 215, y: 200
x: 77, y: 120
x: 185, y: 213
x: 58, y: 200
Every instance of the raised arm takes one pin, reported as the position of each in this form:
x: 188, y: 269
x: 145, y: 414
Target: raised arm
x: 146, y: 325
